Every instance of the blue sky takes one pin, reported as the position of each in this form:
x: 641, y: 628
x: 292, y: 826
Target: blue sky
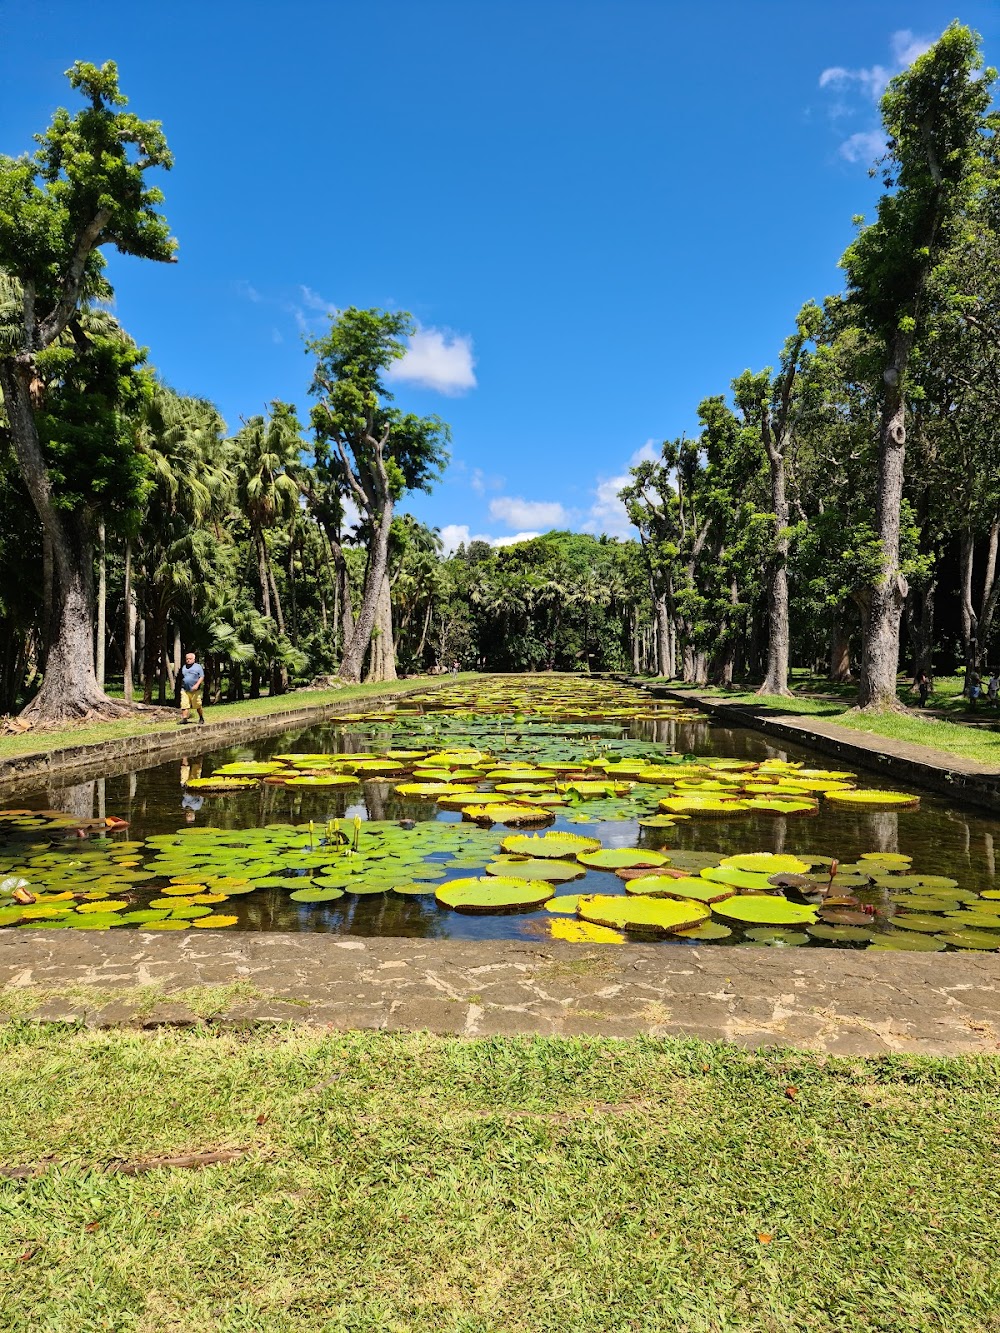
x: 598, y: 213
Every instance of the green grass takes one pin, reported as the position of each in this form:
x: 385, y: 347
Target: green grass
x: 411, y: 1183
x: 814, y: 697
x: 88, y: 733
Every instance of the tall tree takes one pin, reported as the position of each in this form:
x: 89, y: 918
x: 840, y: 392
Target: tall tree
x: 936, y: 116
x: 375, y: 451
x: 84, y: 189
x: 767, y: 401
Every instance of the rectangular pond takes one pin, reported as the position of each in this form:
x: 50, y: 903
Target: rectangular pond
x: 508, y: 809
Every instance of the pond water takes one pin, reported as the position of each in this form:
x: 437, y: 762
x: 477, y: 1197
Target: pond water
x: 194, y: 855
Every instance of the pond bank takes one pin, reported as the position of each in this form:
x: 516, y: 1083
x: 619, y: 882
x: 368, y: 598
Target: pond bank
x: 172, y: 741
x: 950, y: 775
x: 840, y: 1002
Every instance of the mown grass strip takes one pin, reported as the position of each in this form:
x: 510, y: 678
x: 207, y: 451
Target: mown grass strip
x: 92, y: 733
x: 411, y: 1183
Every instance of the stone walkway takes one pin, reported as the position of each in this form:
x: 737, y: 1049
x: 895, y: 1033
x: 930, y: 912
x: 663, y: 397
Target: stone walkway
x: 844, y: 1002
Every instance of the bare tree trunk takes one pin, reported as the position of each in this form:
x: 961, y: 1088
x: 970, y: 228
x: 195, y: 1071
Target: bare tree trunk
x: 880, y: 655
x: 990, y: 595
x: 357, y: 647
x: 663, y: 666
x: 966, y: 560
x: 129, y: 624
x: 69, y: 688
x: 381, y: 657
x: 636, y: 646
x: 262, y: 572
x: 840, y: 649
x: 102, y: 604
x: 776, y: 675
x: 423, y: 633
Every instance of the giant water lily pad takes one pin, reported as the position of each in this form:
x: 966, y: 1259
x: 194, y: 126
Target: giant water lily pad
x: 689, y: 887
x: 873, y: 800
x: 546, y: 868
x: 493, y: 894
x: 509, y: 814
x: 622, y: 858
x: 919, y: 921
x: 758, y: 910
x: 316, y: 895
x: 766, y: 863
x: 738, y: 879
x: 583, y: 932
x: 662, y: 916
x: 552, y: 844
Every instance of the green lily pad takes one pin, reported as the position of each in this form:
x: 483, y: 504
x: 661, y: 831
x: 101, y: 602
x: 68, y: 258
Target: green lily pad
x: 919, y: 921
x: 622, y: 858
x: 493, y: 894
x: 738, y: 879
x: 559, y: 872
x: 708, y: 930
x: 776, y: 938
x: 759, y: 910
x: 691, y: 888
x: 765, y: 863
x: 565, y: 904
x: 906, y: 942
x: 840, y: 934
x: 316, y: 895
x: 971, y: 939
x: 661, y: 916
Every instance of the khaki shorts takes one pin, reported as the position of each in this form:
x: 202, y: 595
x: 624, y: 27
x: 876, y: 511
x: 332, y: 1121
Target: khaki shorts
x: 191, y: 699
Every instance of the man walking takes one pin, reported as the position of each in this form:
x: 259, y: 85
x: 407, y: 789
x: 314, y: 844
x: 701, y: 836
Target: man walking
x: 192, y: 680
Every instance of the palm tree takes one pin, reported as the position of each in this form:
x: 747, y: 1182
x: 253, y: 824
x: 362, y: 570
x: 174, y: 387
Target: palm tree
x: 265, y: 457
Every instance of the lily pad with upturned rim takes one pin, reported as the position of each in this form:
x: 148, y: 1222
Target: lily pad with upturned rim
x: 662, y: 916
x: 759, y: 910
x: 493, y: 894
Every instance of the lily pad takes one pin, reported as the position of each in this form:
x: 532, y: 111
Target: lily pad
x: 759, y: 910
x: 708, y: 930
x: 971, y: 939
x: 780, y: 939
x: 559, y: 872
x: 316, y: 895
x: 662, y: 916
x: 620, y: 858
x: 493, y: 894
x: 766, y: 863
x: 840, y: 934
x: 907, y: 942
x: 584, y: 932
x: 690, y: 888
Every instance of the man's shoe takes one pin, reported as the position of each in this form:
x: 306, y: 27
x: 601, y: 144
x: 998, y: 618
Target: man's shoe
x: 184, y: 722
x: 201, y: 722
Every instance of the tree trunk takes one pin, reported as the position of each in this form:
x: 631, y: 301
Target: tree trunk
x: 381, y: 657
x: 840, y: 649
x: 776, y: 674
x: 69, y: 687
x: 423, y: 634
x: 357, y: 647
x: 991, y: 594
x: 129, y: 625
x: 265, y: 583
x: 102, y: 604
x: 880, y: 652
x: 664, y: 667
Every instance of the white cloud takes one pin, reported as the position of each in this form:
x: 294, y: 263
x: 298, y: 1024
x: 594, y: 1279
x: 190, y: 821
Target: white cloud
x: 517, y: 537
x: 248, y: 291
x: 437, y: 359
x: 870, y: 81
x: 607, y: 514
x: 518, y: 513
x: 454, y: 535
x: 863, y: 147
x: 313, y: 301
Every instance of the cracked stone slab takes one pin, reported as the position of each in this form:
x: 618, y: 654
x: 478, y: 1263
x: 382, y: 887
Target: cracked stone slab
x: 843, y: 1002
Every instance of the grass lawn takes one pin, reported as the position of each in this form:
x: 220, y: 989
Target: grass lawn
x: 815, y: 697
x: 86, y: 733
x: 400, y: 1182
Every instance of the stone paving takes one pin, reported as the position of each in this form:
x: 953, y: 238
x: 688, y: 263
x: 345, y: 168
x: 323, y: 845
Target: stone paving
x: 844, y: 1002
